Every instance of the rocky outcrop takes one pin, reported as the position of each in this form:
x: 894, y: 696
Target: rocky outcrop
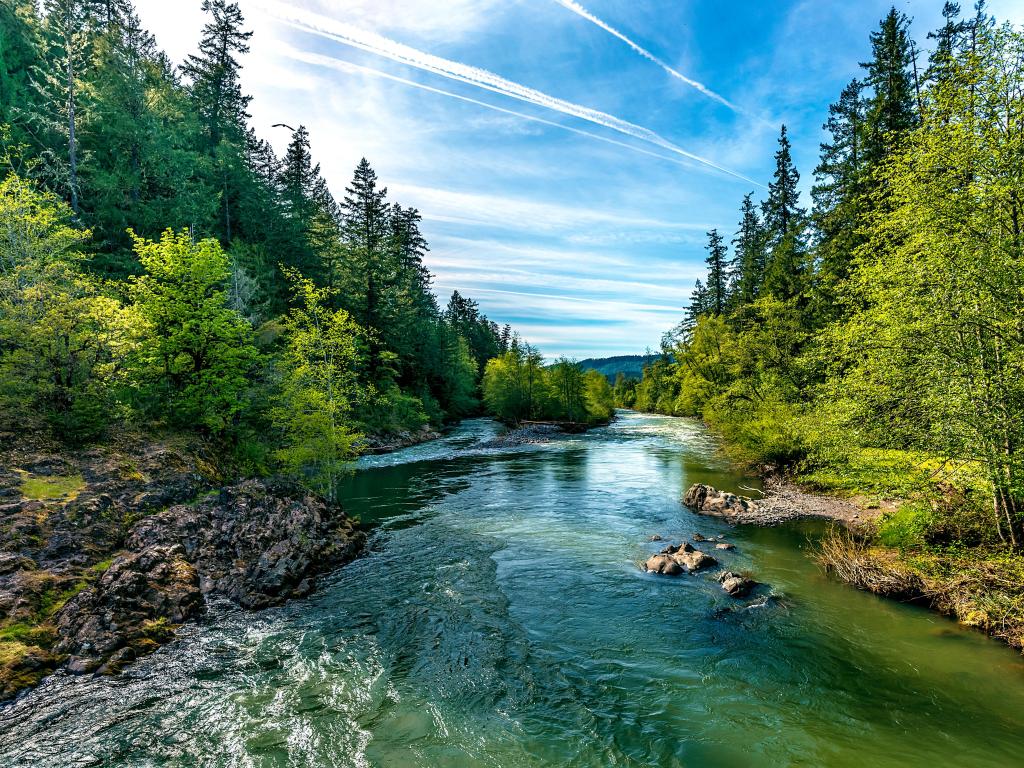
x: 258, y: 542
x: 104, y: 551
x: 709, y: 501
x: 781, y: 502
x: 130, y: 610
x: 376, y: 444
x: 673, y: 560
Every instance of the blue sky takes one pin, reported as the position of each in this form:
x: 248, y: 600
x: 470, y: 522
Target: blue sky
x: 566, y: 179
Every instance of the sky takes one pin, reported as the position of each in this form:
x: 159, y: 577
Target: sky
x: 567, y: 157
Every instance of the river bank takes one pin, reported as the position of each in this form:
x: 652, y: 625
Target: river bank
x: 105, y: 552
x: 979, y: 588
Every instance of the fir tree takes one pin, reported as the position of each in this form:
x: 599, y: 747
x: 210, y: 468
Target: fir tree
x: 215, y: 73
x: 749, y: 246
x: 784, y: 222
x: 216, y: 90
x: 891, y: 109
x: 718, y: 279
x: 839, y: 186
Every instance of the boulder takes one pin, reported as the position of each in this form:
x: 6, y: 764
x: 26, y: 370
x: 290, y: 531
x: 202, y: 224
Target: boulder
x: 735, y: 584
x: 694, y: 560
x: 725, y: 545
x: 709, y: 501
x: 655, y: 537
x: 675, y: 559
x: 665, y: 564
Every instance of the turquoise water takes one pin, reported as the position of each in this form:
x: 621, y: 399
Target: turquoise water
x: 499, y: 618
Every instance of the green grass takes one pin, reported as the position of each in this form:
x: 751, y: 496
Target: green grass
x: 63, y: 487
x: 887, y: 473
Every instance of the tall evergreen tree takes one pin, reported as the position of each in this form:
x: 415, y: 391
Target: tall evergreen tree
x: 365, y: 230
x: 891, y: 109
x: 19, y: 26
x: 749, y: 246
x: 784, y: 222
x: 215, y: 85
x: 947, y: 40
x: 215, y: 73
x: 718, y: 277
x: 69, y: 30
x: 839, y: 188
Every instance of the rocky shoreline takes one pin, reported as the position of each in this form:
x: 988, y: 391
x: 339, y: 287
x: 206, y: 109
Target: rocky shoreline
x: 373, y: 445
x: 103, y: 553
x: 779, y: 503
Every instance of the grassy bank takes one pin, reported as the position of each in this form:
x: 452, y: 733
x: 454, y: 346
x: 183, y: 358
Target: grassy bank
x: 978, y: 588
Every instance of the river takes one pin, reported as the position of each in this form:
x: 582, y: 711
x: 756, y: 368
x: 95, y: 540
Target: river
x: 498, y: 618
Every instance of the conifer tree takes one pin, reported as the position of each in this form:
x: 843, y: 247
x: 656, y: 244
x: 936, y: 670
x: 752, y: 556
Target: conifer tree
x: 784, y: 222
x: 19, y: 26
x: 718, y: 281
x: 215, y: 86
x: 891, y: 110
x: 69, y: 29
x: 839, y: 188
x: 215, y: 73
x: 749, y: 246
x: 365, y: 230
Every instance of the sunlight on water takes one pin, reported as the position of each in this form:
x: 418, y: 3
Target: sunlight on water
x: 499, y: 619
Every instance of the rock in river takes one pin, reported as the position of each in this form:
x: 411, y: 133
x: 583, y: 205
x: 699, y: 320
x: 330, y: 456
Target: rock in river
x: 710, y: 501
x: 673, y: 560
x: 735, y: 584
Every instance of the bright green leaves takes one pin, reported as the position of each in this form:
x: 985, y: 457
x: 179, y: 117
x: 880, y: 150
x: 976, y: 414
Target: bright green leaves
x: 320, y: 387
x: 195, y: 354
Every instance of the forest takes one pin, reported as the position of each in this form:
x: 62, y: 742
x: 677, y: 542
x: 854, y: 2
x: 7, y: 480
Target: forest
x: 164, y: 270
x: 873, y: 342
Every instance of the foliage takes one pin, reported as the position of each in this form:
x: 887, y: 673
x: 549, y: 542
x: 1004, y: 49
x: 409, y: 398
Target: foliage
x: 876, y: 344
x: 195, y: 354
x: 320, y: 388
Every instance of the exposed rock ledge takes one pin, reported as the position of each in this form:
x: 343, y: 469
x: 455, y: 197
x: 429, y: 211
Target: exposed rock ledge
x: 257, y: 543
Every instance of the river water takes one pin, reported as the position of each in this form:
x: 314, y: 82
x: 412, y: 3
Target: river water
x: 499, y: 618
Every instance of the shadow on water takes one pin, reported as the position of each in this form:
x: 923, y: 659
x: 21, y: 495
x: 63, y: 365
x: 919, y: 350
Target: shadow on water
x: 499, y: 619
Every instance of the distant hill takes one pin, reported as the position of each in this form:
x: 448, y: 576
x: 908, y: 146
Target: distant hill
x: 631, y: 365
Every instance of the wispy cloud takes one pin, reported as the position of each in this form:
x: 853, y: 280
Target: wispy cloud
x: 516, y: 212
x: 579, y: 10
x: 341, y: 65
x: 372, y: 42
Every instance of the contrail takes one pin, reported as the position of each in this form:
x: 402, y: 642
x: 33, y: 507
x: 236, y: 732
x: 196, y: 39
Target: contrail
x: 481, y: 78
x: 341, y: 65
x: 579, y: 10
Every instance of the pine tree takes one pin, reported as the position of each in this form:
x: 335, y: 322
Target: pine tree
x: 718, y: 281
x: 215, y: 73
x: 947, y: 41
x: 19, y: 26
x: 749, y: 263
x: 891, y: 110
x: 216, y: 90
x: 781, y: 211
x: 365, y: 230
x: 69, y: 29
x: 839, y: 187
x: 699, y: 305
x: 784, y: 222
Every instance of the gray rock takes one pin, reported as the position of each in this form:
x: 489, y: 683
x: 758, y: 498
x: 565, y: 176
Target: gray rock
x: 736, y: 585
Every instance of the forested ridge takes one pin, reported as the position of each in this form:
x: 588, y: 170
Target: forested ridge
x: 164, y: 269
x: 873, y: 341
